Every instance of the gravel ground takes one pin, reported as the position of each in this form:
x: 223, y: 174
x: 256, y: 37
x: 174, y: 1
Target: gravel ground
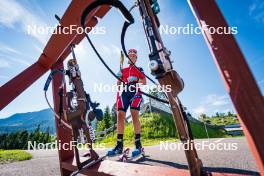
x: 236, y: 161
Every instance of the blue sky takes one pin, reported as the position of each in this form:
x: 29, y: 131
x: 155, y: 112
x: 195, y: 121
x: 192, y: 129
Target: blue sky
x: 204, y: 91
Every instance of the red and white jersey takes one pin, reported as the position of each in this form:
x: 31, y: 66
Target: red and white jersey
x: 131, y: 74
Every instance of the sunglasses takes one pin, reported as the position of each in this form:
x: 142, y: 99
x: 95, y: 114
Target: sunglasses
x: 132, y: 51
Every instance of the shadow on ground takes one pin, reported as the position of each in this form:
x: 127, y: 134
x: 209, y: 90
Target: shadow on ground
x: 207, y: 169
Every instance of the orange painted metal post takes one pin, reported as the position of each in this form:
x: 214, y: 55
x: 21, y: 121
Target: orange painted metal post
x: 239, y: 81
x: 64, y: 135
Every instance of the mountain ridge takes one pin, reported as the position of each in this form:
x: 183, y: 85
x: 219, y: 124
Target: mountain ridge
x: 29, y: 121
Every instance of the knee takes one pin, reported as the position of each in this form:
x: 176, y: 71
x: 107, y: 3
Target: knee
x: 121, y: 115
x: 134, y: 114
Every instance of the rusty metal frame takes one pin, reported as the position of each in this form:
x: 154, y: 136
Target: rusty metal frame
x: 52, y: 58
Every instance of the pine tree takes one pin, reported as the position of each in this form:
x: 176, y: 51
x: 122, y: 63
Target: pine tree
x: 25, y: 139
x: 203, y: 117
x: 114, y: 114
x: 101, y: 127
x: 22, y: 139
x: 107, y: 118
x: 37, y: 134
x: 47, y: 136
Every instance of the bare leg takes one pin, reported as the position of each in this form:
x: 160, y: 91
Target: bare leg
x: 121, y: 122
x: 118, y: 149
x: 135, y: 119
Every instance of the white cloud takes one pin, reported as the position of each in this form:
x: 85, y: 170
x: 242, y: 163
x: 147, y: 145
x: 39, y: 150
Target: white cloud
x: 8, y: 61
x: 38, y: 48
x: 228, y: 110
x: 109, y: 50
x: 216, y: 100
x: 261, y: 81
x: 3, y: 77
x: 256, y: 11
x: 199, y: 110
x: 20, y: 61
x: 252, y: 8
x: 4, y: 63
x: 10, y: 54
x: 213, y: 103
x: 6, y: 49
x: 12, y: 14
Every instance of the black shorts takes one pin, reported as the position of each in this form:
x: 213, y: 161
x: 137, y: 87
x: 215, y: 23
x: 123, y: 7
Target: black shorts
x: 127, y: 98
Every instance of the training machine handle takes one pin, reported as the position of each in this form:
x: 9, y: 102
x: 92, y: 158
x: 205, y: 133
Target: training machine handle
x: 115, y: 3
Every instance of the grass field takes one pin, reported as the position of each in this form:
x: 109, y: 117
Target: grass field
x: 156, y: 128
x: 111, y: 141
x: 222, y: 121
x: 8, y: 156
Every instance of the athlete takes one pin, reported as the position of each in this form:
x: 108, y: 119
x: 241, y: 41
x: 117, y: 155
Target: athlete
x: 129, y: 96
